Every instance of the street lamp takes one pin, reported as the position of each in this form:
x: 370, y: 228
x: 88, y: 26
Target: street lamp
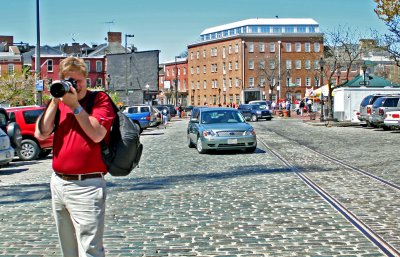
x: 148, y: 93
x: 364, y: 69
x: 37, y: 60
x: 321, y: 80
x: 126, y: 61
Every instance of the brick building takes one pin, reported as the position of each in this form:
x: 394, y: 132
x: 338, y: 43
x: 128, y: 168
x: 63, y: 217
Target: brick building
x: 254, y: 59
x: 175, y: 76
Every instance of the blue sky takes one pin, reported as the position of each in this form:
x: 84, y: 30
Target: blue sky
x: 168, y: 25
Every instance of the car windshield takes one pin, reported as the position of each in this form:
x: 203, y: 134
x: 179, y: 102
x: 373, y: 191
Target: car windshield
x: 221, y: 116
x: 258, y: 107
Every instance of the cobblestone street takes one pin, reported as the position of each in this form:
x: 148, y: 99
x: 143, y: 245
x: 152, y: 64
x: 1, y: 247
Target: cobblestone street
x: 181, y: 203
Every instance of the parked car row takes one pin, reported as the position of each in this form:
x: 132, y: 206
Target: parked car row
x: 379, y: 110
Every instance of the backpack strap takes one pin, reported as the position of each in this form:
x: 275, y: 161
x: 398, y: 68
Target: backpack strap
x: 90, y: 102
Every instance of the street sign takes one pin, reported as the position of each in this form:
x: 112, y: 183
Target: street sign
x: 39, y: 85
x: 364, y: 83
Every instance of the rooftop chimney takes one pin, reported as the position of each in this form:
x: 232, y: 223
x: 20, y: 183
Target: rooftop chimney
x: 114, y: 37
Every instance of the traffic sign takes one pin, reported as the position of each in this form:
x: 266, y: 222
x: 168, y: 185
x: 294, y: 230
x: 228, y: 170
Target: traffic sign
x: 39, y: 85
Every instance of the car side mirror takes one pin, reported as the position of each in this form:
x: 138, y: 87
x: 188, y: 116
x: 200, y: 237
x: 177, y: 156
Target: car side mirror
x: 194, y: 120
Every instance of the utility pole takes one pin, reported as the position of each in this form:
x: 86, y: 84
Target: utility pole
x: 38, y: 91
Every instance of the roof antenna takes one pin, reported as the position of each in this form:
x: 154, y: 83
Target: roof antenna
x: 109, y: 24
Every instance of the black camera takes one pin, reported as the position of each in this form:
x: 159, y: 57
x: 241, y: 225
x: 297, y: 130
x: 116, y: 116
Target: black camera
x: 61, y: 87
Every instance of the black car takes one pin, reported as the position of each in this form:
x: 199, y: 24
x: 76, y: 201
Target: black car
x: 254, y: 112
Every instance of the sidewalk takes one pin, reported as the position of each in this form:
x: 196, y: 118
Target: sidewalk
x: 314, y: 118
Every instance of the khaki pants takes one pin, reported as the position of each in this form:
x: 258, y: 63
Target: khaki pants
x: 79, y: 209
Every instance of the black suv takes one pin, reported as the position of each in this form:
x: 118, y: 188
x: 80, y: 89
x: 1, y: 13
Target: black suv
x: 254, y: 112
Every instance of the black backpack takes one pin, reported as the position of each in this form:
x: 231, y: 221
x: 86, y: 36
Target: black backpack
x: 123, y: 152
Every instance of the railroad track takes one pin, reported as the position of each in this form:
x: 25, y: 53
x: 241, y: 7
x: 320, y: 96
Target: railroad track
x: 372, y: 235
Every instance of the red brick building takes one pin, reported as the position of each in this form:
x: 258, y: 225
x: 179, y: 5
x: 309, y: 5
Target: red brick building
x: 254, y: 59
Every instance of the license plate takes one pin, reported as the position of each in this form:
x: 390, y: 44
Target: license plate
x: 232, y: 141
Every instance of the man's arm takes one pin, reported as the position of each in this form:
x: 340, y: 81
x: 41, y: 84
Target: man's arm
x: 45, y: 125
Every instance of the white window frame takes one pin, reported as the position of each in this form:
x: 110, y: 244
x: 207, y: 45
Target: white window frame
x: 298, y: 64
x: 297, y: 47
x: 288, y: 64
x: 272, y: 47
x: 250, y: 47
x: 99, y: 66
x: 317, y: 47
x: 288, y: 47
x: 307, y: 47
x: 261, y: 47
x: 251, y: 65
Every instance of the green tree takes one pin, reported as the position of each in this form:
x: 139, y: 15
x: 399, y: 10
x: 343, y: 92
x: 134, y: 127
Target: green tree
x: 17, y: 89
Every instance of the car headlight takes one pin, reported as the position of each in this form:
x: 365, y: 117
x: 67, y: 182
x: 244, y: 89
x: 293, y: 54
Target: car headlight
x: 209, y: 133
x: 249, y: 132
x: 258, y: 112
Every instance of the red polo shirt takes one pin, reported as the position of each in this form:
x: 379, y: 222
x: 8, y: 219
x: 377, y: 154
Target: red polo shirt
x: 73, y: 151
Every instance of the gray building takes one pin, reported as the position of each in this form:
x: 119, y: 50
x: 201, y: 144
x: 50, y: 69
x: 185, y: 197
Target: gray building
x: 134, y: 76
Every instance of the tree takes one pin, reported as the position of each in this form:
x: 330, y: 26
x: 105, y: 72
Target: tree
x: 269, y: 71
x: 17, y: 89
x: 341, y: 51
x: 389, y: 12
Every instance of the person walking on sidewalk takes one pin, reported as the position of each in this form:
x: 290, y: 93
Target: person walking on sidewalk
x: 302, y: 105
x: 78, y: 188
x: 165, y: 117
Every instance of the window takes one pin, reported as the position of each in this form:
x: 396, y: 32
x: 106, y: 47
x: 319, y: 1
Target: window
x: 99, y: 66
x: 198, y: 70
x: 50, y: 65
x: 229, y: 49
x: 191, y: 70
x: 204, y: 53
x: 307, y: 64
x: 261, y: 47
x: 179, y: 71
x: 262, y: 64
x: 198, y: 84
x: 223, y: 52
x: 191, y: 55
x: 236, y: 82
x: 251, y: 65
x: 88, y: 82
x: 251, y: 82
x: 307, y: 47
x: 272, y: 64
x: 298, y: 64
x: 236, y: 65
x: 288, y: 64
x: 288, y: 47
x: 237, y: 48
x: 251, y: 47
x: 87, y: 65
x: 298, y: 82
x: 205, y: 84
x: 262, y: 81
x: 308, y: 82
x: 10, y: 68
x: 184, y: 70
x: 204, y: 69
x: 230, y: 65
x: 317, y: 47
x: 99, y: 82
x: 272, y: 47
x: 230, y: 82
x: 197, y: 54
x: 298, y: 47
x: 168, y: 73
x: 316, y: 64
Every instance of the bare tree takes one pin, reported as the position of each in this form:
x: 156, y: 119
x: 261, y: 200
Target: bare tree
x: 341, y: 52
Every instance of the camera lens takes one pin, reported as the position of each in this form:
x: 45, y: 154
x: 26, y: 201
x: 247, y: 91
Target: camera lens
x: 59, y: 88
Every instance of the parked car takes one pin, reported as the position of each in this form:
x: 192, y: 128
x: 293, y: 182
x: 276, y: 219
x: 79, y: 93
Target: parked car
x: 254, y: 112
x: 6, y: 150
x: 265, y: 103
x: 220, y: 128
x: 31, y: 147
x: 366, y: 108
x: 380, y: 107
x: 392, y: 119
x: 171, y: 109
x: 140, y: 115
x: 156, y: 117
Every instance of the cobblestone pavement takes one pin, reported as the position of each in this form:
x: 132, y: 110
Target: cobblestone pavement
x: 181, y: 203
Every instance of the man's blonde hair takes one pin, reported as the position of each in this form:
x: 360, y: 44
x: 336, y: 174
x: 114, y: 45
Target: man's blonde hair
x: 73, y: 64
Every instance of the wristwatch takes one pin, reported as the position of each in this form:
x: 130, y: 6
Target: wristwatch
x: 78, y: 110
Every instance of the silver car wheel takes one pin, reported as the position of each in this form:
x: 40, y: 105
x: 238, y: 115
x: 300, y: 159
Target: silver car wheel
x: 199, y: 146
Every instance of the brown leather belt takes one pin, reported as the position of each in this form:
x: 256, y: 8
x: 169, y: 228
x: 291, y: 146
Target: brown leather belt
x: 79, y: 177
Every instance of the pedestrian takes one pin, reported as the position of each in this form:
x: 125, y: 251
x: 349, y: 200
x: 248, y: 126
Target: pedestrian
x: 302, y: 105
x: 165, y: 113
x: 309, y: 104
x: 78, y: 187
x: 273, y: 105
